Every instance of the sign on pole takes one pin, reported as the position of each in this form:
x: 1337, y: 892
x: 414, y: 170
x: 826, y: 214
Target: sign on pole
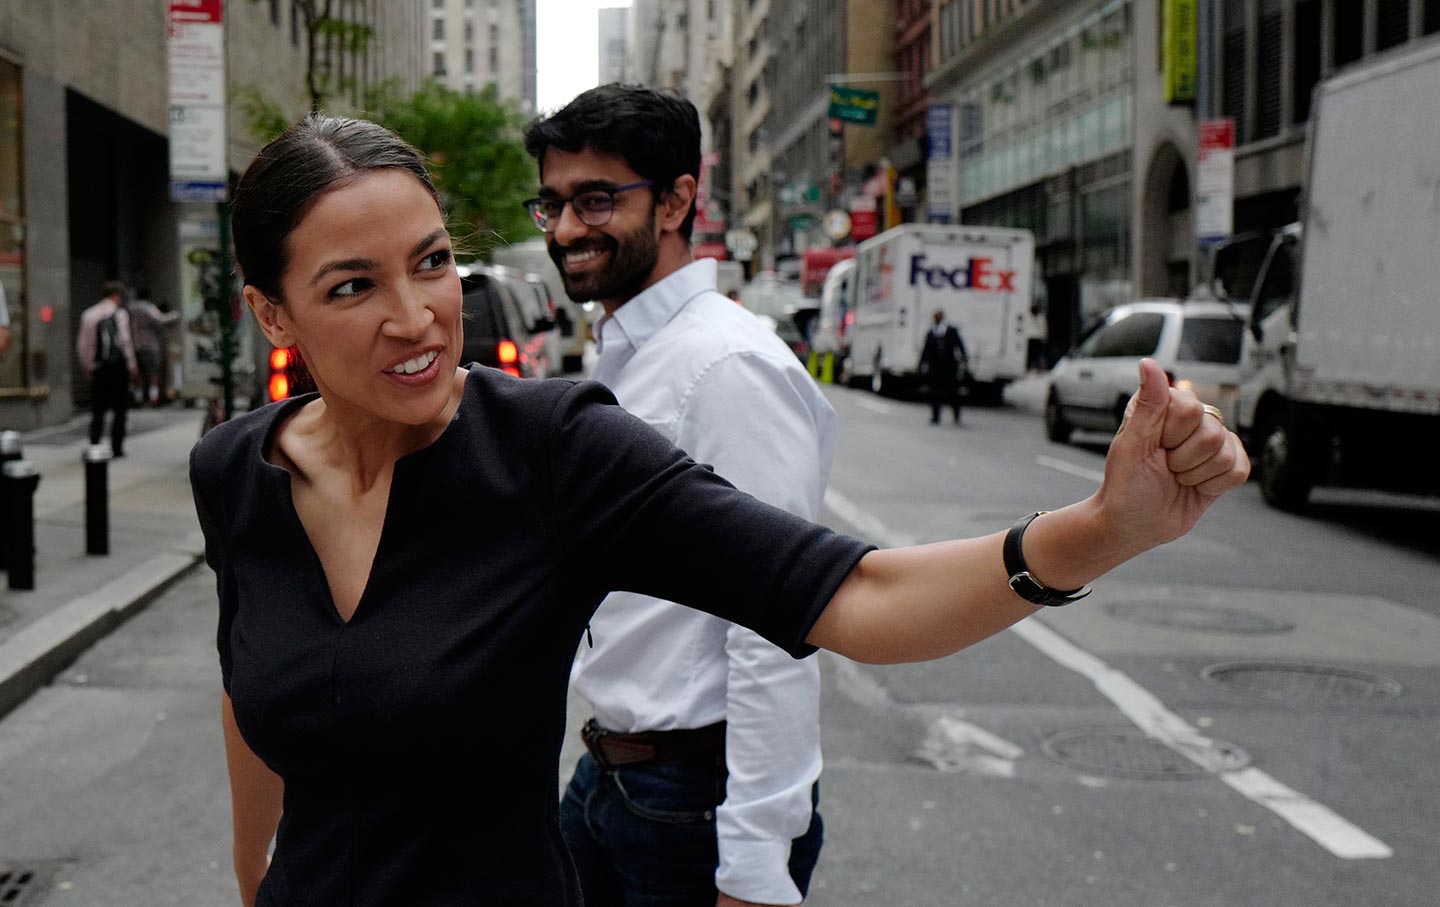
x: 195, y: 58
x: 854, y: 105
x: 939, y: 167
x: 1215, y: 182
x: 1179, y: 43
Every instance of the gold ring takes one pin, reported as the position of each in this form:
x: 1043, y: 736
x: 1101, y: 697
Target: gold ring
x: 1213, y: 411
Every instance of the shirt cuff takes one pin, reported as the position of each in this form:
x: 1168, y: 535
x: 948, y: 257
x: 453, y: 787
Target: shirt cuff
x: 756, y: 871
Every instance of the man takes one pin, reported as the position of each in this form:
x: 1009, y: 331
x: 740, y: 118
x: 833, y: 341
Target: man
x: 701, y: 780
x: 148, y: 325
x: 4, y: 325
x: 107, y: 356
x: 942, y: 361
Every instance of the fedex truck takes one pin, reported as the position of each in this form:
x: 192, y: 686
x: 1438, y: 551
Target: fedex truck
x: 980, y: 277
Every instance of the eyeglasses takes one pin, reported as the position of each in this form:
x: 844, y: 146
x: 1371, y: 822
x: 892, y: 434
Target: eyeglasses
x: 593, y: 206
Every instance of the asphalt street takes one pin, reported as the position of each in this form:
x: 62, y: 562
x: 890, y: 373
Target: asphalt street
x: 1245, y: 717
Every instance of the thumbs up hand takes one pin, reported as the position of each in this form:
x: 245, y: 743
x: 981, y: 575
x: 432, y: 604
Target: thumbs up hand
x: 1168, y: 463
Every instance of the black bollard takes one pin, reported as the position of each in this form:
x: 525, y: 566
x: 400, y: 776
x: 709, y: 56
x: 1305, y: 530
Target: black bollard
x: 9, y: 452
x: 97, y: 499
x: 20, y: 478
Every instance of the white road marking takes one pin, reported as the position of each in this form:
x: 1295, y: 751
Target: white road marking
x: 875, y: 406
x: 1070, y: 469
x: 953, y: 745
x: 1324, y: 826
x: 864, y: 523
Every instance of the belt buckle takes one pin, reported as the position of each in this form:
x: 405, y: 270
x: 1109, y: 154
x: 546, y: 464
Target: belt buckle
x: 591, y: 733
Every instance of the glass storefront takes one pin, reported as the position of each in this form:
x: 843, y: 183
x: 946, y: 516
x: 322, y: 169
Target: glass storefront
x: 12, y: 222
x: 1065, y: 103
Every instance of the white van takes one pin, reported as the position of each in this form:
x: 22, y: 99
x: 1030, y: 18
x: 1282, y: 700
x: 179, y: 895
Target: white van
x: 979, y: 276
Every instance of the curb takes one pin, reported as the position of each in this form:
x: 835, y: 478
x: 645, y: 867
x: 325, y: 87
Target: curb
x: 32, y: 657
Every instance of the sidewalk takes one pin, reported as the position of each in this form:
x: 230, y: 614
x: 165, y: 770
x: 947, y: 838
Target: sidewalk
x: 154, y: 539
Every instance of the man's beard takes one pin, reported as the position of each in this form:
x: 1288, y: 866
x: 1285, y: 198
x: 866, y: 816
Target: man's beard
x: 632, y: 260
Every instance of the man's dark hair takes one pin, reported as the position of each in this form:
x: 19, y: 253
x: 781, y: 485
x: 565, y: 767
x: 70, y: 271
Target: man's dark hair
x: 317, y: 154
x: 657, y: 134
x: 112, y: 288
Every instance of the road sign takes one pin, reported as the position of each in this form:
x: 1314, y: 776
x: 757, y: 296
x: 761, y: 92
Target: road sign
x: 1215, y: 182
x: 854, y: 105
x: 195, y: 58
x: 939, y: 167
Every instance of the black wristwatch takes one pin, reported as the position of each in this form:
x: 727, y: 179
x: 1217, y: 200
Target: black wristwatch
x: 1025, y: 585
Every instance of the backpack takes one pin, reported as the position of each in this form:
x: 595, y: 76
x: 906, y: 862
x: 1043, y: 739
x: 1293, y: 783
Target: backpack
x: 107, y: 342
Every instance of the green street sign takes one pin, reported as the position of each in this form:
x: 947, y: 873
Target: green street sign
x: 854, y: 105
x: 802, y: 222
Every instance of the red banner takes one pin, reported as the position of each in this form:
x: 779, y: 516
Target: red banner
x: 864, y: 224
x: 197, y: 11
x: 714, y: 250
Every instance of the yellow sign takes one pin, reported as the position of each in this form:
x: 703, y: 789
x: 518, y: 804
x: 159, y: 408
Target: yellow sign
x: 1179, y: 35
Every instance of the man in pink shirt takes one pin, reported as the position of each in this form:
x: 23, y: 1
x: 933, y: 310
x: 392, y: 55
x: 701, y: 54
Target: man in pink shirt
x: 107, y: 356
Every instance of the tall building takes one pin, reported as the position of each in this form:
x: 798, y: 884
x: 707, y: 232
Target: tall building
x: 84, y: 172
x: 614, y: 47
x: 817, y: 44
x: 474, y: 43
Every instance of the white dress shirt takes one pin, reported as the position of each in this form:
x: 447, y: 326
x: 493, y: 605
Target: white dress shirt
x: 723, y: 387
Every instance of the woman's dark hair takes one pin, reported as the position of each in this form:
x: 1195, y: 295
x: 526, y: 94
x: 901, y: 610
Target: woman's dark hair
x: 655, y: 133
x: 315, y: 155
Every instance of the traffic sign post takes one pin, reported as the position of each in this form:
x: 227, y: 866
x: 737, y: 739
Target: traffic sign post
x: 199, y: 142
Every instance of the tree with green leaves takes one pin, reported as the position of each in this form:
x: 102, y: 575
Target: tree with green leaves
x: 335, y: 33
x: 473, y: 141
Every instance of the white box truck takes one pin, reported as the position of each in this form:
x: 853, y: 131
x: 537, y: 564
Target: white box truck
x: 1341, y: 381
x: 979, y: 276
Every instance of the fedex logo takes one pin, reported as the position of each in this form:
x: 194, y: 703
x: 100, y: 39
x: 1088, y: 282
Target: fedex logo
x: 978, y: 274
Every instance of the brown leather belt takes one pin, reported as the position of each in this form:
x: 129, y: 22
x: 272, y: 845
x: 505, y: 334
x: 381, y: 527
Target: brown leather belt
x: 612, y: 749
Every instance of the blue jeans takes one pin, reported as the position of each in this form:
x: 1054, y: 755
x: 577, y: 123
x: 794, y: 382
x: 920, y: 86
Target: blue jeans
x: 644, y: 835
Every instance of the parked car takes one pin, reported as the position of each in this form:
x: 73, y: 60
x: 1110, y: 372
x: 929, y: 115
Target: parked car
x: 1196, y: 342
x: 505, y: 327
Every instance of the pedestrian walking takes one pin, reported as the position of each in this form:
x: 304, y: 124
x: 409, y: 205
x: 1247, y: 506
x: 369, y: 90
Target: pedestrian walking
x: 5, y: 337
x: 148, y: 327
x: 407, y: 559
x: 942, y: 365
x: 701, y: 778
x: 107, y: 356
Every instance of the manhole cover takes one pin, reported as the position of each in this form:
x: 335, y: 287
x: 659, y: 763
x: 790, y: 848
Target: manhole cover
x: 23, y: 886
x: 1300, y: 682
x: 1201, y: 618
x: 1128, y: 753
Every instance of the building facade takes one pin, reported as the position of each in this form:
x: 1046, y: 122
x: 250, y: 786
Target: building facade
x: 475, y: 43
x: 614, y: 30
x: 84, y: 171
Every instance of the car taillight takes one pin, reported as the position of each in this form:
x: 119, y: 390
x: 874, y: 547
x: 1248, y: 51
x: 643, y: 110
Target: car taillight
x: 509, y: 356
x: 279, y: 379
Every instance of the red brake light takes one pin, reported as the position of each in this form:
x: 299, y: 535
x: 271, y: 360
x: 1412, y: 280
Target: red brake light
x: 279, y: 387
x: 279, y: 360
x: 509, y: 353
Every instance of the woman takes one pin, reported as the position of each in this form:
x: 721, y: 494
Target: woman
x: 407, y: 559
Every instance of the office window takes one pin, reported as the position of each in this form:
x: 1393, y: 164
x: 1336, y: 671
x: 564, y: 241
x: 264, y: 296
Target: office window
x: 1394, y: 25
x: 1269, y: 40
x: 438, y: 4
x: 438, y: 32
x: 438, y: 64
x: 494, y: 59
x: 1307, y: 56
x: 294, y: 26
x: 469, y: 60
x: 275, y: 13
x: 1232, y: 87
x: 1432, y: 16
x: 1349, y: 31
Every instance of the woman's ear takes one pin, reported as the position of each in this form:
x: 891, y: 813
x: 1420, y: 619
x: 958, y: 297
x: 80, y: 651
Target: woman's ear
x: 271, y: 317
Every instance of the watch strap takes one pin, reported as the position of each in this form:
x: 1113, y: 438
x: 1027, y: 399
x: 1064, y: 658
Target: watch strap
x: 1021, y: 581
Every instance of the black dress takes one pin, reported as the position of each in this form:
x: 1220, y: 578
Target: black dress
x: 419, y: 742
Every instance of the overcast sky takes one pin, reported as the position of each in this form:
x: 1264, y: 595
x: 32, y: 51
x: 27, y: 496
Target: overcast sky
x: 567, y: 51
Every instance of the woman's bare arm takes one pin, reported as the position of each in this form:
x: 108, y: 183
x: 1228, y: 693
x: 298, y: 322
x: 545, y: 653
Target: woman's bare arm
x: 1168, y: 463
x: 255, y: 800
